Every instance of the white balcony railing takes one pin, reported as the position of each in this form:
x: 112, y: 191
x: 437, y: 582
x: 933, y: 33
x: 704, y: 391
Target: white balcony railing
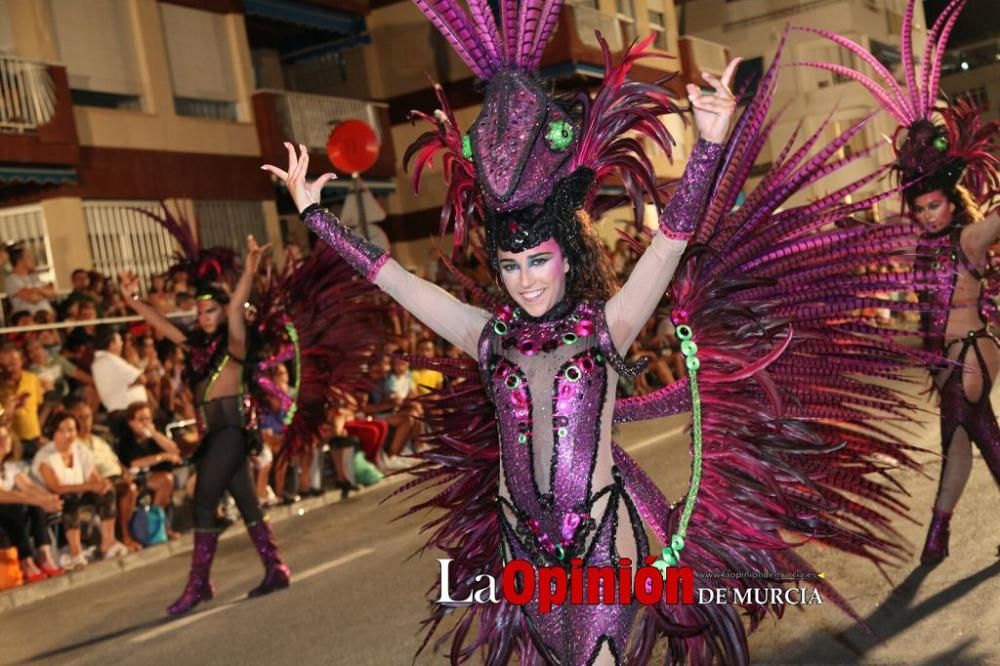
x: 308, y: 119
x: 27, y: 94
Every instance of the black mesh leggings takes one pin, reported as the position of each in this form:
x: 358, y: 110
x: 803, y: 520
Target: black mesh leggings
x: 224, y: 465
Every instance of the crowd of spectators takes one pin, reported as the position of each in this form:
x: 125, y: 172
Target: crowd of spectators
x: 96, y: 421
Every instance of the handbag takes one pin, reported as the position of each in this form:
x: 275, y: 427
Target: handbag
x: 148, y: 525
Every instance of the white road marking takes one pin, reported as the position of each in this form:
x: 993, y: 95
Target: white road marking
x: 198, y: 616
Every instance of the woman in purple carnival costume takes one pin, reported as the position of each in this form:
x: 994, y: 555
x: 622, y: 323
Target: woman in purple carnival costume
x: 217, y: 355
x: 521, y: 464
x: 948, y: 163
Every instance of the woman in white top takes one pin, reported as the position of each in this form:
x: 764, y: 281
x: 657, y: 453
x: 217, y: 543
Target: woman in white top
x: 68, y: 470
x: 23, y: 505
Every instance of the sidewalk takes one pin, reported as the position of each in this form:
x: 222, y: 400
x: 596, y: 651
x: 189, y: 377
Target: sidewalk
x: 101, y: 569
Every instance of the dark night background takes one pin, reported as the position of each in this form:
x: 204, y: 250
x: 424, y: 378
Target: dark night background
x: 979, y: 20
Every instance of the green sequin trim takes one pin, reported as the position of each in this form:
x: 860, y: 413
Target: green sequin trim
x: 466, y: 147
x: 670, y: 555
x: 500, y: 328
x: 570, y: 338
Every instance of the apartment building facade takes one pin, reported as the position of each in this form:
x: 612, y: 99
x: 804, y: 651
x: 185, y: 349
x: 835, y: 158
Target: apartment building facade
x: 111, y: 105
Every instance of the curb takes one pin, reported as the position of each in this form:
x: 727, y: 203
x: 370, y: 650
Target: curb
x: 24, y: 595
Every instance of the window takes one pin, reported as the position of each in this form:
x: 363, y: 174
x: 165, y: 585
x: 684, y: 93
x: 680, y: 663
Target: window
x: 658, y: 25
x: 106, y: 100
x: 626, y: 18
x: 95, y: 41
x: 227, y: 223
x: 201, y: 68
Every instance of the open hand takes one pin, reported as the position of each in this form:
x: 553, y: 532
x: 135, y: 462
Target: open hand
x: 254, y: 254
x: 713, y: 112
x: 304, y: 194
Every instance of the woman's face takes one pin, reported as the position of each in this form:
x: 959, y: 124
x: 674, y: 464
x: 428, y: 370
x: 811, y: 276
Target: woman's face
x: 65, y: 433
x: 142, y: 422
x: 36, y: 353
x: 933, y: 211
x: 535, y: 278
x: 159, y: 283
x: 210, y: 315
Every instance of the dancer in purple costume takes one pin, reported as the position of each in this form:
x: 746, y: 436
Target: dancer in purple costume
x: 551, y: 363
x: 948, y: 161
x: 769, y: 293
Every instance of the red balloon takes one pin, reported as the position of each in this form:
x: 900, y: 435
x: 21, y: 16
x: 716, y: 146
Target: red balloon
x: 352, y: 146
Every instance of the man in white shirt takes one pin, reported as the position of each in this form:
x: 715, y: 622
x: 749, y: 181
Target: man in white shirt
x: 25, y: 289
x: 118, y: 382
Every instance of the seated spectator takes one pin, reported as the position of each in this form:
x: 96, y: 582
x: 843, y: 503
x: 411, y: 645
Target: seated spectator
x: 67, y: 469
x: 159, y: 297
x: 180, y: 283
x: 119, y: 384
x: 109, y: 466
x: 25, y: 390
x: 50, y: 373
x: 425, y: 379
x: 23, y: 508
x: 81, y: 292
x: 142, y: 447
x: 24, y: 288
x: 384, y: 404
x: 49, y: 337
x: 272, y: 431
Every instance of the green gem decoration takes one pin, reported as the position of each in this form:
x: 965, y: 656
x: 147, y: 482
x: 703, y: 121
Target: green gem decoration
x: 500, y: 328
x: 573, y: 373
x: 569, y: 338
x: 941, y: 143
x: 689, y: 348
x: 669, y: 556
x: 562, y: 432
x: 677, y: 543
x: 560, y: 552
x: 661, y: 566
x: 522, y: 439
x: 559, y: 135
x: 692, y: 363
x: 684, y: 332
x: 936, y: 265
x: 513, y: 381
x: 466, y: 147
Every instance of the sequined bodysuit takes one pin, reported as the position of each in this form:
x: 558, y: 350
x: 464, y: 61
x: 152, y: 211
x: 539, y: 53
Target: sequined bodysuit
x: 958, y: 409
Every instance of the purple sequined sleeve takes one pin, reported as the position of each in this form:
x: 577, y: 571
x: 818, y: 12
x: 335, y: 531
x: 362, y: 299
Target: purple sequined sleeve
x: 366, y: 257
x: 682, y: 212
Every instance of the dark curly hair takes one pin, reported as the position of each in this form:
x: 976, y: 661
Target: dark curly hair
x: 591, y: 276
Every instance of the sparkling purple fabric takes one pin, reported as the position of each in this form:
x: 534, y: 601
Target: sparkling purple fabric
x: 684, y: 209
x: 366, y: 257
x: 516, y: 165
x: 276, y: 573
x: 560, y: 496
x: 943, y: 257
x: 199, y: 586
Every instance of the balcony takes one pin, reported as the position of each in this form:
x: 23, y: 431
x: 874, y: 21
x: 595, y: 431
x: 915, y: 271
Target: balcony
x: 574, y: 51
x: 36, y: 114
x: 308, y: 119
x: 701, y: 55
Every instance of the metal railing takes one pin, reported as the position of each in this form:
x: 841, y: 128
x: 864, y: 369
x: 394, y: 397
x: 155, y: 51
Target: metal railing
x: 308, y: 119
x: 122, y: 238
x: 27, y: 94
x: 227, y: 223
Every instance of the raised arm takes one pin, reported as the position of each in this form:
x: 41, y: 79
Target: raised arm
x: 458, y: 323
x: 241, y: 294
x: 628, y: 310
x: 130, y: 293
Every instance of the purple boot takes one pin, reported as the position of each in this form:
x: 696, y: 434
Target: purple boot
x: 199, y: 588
x: 936, y: 546
x: 276, y: 573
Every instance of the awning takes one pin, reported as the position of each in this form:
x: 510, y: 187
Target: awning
x: 36, y: 175
x: 307, y: 16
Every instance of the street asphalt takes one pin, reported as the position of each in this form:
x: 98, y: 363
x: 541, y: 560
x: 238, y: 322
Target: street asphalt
x: 358, y: 597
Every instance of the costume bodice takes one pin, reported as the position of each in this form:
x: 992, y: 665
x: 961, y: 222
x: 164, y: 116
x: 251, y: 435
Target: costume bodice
x: 553, y: 382
x: 944, y: 257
